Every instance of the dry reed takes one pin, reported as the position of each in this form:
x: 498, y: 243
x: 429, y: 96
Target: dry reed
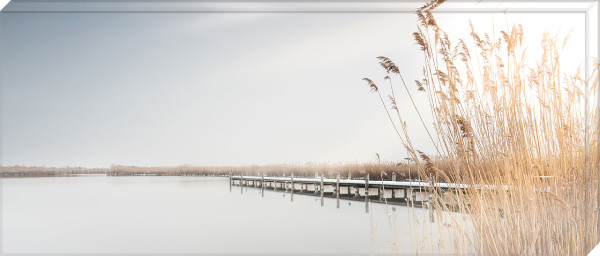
x: 500, y: 123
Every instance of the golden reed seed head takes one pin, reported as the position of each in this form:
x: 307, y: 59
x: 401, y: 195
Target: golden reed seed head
x: 373, y: 86
x: 388, y: 65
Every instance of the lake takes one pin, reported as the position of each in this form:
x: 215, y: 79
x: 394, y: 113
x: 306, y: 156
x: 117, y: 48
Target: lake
x: 173, y: 214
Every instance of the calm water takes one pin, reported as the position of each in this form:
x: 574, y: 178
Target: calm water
x: 99, y: 214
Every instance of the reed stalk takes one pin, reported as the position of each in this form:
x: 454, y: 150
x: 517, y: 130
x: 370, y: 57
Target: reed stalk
x: 519, y: 135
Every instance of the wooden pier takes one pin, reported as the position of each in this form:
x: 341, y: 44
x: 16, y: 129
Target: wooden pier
x: 416, y: 193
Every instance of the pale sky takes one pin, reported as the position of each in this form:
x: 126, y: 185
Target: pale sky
x: 95, y: 89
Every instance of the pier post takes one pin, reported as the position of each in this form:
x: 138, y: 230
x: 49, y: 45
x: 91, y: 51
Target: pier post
x: 262, y: 184
x: 356, y: 191
x: 230, y: 180
x: 337, y: 189
x: 367, y: 185
x: 367, y: 193
x: 322, y: 190
x: 349, y: 178
x: 242, y: 183
x: 431, y: 215
x: 292, y: 192
x: 393, y: 179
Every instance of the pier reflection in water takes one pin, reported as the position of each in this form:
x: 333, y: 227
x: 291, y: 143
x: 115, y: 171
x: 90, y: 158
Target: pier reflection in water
x: 386, y: 192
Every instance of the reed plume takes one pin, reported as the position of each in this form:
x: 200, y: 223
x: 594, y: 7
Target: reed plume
x: 519, y: 136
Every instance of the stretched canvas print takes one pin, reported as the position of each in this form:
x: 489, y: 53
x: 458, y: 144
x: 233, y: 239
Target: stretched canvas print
x: 299, y: 127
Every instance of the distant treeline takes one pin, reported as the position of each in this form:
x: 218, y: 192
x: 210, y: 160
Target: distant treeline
x: 33, y: 171
x: 376, y: 171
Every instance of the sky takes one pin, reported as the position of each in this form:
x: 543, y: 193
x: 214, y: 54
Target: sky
x: 164, y: 89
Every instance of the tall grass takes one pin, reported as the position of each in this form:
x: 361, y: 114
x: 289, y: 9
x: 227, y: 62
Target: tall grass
x: 501, y: 123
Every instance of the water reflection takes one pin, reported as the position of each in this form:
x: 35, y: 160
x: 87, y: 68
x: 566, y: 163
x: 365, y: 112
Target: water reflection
x: 63, y: 215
